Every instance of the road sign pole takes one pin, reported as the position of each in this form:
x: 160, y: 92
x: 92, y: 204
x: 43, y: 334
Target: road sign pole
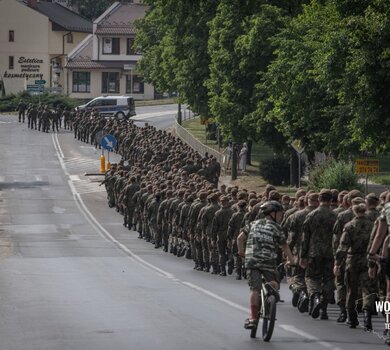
x: 299, y: 169
x: 108, y: 161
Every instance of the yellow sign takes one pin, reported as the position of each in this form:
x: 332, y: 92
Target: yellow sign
x: 367, y: 166
x: 298, y: 146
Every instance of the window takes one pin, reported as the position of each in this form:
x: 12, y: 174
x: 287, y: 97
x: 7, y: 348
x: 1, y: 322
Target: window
x: 81, y: 82
x: 111, y: 46
x: 130, y: 43
x: 69, y: 38
x: 11, y: 36
x: 138, y: 84
x: 10, y: 62
x: 110, y: 82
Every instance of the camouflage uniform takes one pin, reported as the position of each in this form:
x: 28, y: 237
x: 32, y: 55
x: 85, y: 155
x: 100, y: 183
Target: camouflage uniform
x: 352, y: 249
x: 317, y: 248
x: 234, y: 227
x: 219, y: 235
x: 210, y: 253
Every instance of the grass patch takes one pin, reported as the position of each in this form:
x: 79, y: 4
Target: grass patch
x: 382, y: 179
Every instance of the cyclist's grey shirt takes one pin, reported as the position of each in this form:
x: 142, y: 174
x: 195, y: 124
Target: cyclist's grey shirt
x: 264, y: 238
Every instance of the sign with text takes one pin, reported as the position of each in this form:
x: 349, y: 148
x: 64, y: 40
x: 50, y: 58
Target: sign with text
x: 367, y: 166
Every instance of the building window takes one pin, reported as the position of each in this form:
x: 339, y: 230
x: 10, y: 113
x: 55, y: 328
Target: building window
x: 81, y: 82
x: 110, y: 82
x: 138, y: 84
x: 69, y: 38
x: 10, y: 62
x: 11, y: 36
x: 111, y: 46
x: 130, y: 43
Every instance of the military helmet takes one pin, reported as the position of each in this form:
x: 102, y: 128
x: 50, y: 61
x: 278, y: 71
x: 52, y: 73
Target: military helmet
x: 270, y: 207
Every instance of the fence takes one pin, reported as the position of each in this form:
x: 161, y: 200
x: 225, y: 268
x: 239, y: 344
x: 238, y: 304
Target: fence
x: 196, y: 144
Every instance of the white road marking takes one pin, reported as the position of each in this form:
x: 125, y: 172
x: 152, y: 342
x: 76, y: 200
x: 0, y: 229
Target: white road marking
x: 108, y: 237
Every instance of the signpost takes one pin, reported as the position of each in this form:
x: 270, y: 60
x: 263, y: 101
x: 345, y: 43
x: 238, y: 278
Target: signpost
x: 40, y: 82
x: 108, y: 142
x: 34, y: 88
x: 299, y: 148
x: 367, y: 166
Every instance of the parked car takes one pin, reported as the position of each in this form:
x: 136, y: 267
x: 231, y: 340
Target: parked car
x: 111, y: 106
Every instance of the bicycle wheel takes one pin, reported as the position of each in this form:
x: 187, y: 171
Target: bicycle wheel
x: 269, y: 317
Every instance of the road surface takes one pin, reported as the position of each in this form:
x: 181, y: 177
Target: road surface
x: 72, y: 277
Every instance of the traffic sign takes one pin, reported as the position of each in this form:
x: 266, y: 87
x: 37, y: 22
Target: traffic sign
x: 34, y: 88
x: 108, y: 142
x: 40, y: 82
x: 367, y: 166
x: 298, y: 146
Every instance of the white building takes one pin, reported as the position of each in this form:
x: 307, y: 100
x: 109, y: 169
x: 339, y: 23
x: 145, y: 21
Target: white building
x: 35, y: 38
x: 104, y: 63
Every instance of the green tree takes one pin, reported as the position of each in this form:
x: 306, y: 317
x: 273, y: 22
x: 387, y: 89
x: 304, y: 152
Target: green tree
x: 91, y: 9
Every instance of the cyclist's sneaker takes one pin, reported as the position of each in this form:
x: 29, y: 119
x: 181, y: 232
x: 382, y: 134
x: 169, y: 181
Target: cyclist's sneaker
x: 250, y: 324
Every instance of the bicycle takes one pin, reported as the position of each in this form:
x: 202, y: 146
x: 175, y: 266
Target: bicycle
x: 267, y: 312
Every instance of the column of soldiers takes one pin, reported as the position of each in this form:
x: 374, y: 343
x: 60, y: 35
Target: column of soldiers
x: 41, y: 118
x: 169, y: 194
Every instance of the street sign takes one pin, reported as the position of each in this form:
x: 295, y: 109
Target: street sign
x: 108, y: 142
x: 298, y: 146
x: 40, y: 82
x: 367, y: 166
x: 34, y: 88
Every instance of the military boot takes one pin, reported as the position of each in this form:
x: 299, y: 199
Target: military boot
x: 343, y: 314
x: 196, y: 265
x: 215, y: 269
x: 353, y: 318
x: 317, y: 306
x: 295, y: 297
x: 200, y: 266
x: 238, y: 274
x: 230, y: 267
x: 206, y: 267
x: 303, y: 302
x: 223, y: 270
x: 324, y: 311
x: 367, y: 320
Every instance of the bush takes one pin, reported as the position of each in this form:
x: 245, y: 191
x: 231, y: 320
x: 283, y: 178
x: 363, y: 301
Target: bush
x: 10, y: 102
x: 334, y: 174
x: 276, y: 171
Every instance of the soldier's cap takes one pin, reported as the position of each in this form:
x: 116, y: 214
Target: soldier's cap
x: 286, y: 197
x: 241, y: 204
x: 325, y: 194
x: 313, y: 197
x: 343, y: 193
x: 372, y: 196
x: 202, y: 195
x: 357, y: 200
x: 234, y: 191
x: 301, y: 198
x: 355, y: 193
x: 300, y: 193
x: 213, y: 197
x: 269, y: 187
x: 274, y: 195
x: 383, y: 195
x: 253, y: 202
x: 224, y: 199
x: 359, y: 208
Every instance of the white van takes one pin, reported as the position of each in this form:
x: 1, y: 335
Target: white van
x: 111, y: 106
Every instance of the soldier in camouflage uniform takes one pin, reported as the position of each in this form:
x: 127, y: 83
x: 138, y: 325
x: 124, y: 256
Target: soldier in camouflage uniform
x: 342, y: 219
x: 352, y: 250
x: 210, y: 254
x: 372, y: 202
x: 317, y: 255
x: 194, y: 235
x: 152, y: 212
x: 342, y: 201
x: 263, y: 238
x: 128, y: 192
x: 162, y: 222
x: 294, y: 240
x: 234, y: 227
x: 219, y: 232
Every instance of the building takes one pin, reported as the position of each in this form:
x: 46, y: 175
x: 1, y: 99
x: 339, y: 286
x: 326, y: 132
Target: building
x: 105, y: 62
x: 35, y: 38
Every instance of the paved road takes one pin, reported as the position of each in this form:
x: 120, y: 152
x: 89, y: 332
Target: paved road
x: 72, y: 277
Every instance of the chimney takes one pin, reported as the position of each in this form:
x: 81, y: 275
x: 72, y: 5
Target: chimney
x: 32, y: 3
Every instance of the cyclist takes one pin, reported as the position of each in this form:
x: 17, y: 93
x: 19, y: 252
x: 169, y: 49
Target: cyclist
x: 263, y: 237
